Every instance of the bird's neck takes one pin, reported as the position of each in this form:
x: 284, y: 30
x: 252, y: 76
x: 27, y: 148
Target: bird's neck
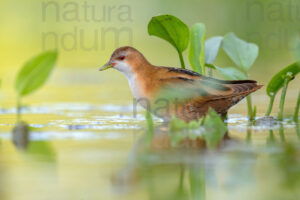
x: 139, y: 80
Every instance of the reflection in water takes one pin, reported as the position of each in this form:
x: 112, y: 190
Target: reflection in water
x: 78, y: 164
x: 166, y: 170
x: 41, y: 150
x: 189, y: 170
x: 281, y: 133
x: 20, y: 135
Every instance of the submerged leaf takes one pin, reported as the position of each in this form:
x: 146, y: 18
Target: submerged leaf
x: 171, y: 29
x: 35, y: 72
x: 242, y: 53
x: 212, y: 46
x: 197, y: 48
x: 277, y: 81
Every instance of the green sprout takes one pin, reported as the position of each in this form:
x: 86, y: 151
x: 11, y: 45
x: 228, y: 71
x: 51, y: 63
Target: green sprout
x: 33, y: 75
x: 278, y: 81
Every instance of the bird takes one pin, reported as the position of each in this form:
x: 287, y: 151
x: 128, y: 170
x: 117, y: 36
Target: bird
x: 168, y: 91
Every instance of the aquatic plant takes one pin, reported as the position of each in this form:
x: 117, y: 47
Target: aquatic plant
x: 278, y: 81
x: 213, y: 129
x: 203, y: 53
x: 33, y: 75
x: 197, y: 48
x: 173, y: 30
x: 243, y: 54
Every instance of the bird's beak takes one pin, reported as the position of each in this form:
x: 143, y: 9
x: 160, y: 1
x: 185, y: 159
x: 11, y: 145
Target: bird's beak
x: 106, y: 66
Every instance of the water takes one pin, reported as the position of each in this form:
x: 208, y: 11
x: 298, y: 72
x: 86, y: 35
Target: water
x: 98, y: 150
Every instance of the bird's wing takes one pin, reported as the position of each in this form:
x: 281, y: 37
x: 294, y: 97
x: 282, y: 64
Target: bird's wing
x: 204, y: 88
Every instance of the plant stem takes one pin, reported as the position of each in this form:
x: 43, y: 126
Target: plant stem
x: 249, y: 105
x: 281, y: 133
x: 203, y: 70
x: 270, y: 105
x: 282, y: 98
x: 181, y: 177
x: 248, y: 137
x: 181, y: 60
x: 271, y: 139
x: 297, y: 108
x: 210, y: 72
x: 18, y: 109
x: 298, y: 130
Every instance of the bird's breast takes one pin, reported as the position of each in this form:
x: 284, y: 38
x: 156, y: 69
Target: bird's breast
x: 136, y: 87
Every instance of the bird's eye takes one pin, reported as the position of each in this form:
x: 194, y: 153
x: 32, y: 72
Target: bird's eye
x: 121, y: 57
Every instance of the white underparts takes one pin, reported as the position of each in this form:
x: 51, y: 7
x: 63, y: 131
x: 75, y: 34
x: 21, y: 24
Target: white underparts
x: 131, y: 77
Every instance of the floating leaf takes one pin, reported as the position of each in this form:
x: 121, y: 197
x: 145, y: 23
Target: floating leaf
x: 197, y: 48
x: 277, y: 81
x: 242, y: 53
x: 35, y: 72
x: 231, y: 73
x: 212, y: 46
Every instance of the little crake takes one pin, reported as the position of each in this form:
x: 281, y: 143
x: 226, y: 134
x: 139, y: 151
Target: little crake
x: 191, y: 93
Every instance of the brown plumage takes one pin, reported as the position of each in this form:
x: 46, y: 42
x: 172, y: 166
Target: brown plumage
x: 168, y: 91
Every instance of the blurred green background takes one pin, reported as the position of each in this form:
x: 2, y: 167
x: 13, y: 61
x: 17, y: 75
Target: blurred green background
x: 87, y: 32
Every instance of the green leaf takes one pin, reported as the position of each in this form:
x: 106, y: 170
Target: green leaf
x: 215, y: 128
x: 177, y: 124
x: 197, y: 48
x: 171, y: 29
x: 212, y: 46
x: 231, y: 73
x: 277, y: 81
x: 35, y: 73
x: 242, y: 53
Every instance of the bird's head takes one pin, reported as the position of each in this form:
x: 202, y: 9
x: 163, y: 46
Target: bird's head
x: 126, y: 60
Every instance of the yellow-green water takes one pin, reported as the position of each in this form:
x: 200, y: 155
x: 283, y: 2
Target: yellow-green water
x: 85, y: 143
